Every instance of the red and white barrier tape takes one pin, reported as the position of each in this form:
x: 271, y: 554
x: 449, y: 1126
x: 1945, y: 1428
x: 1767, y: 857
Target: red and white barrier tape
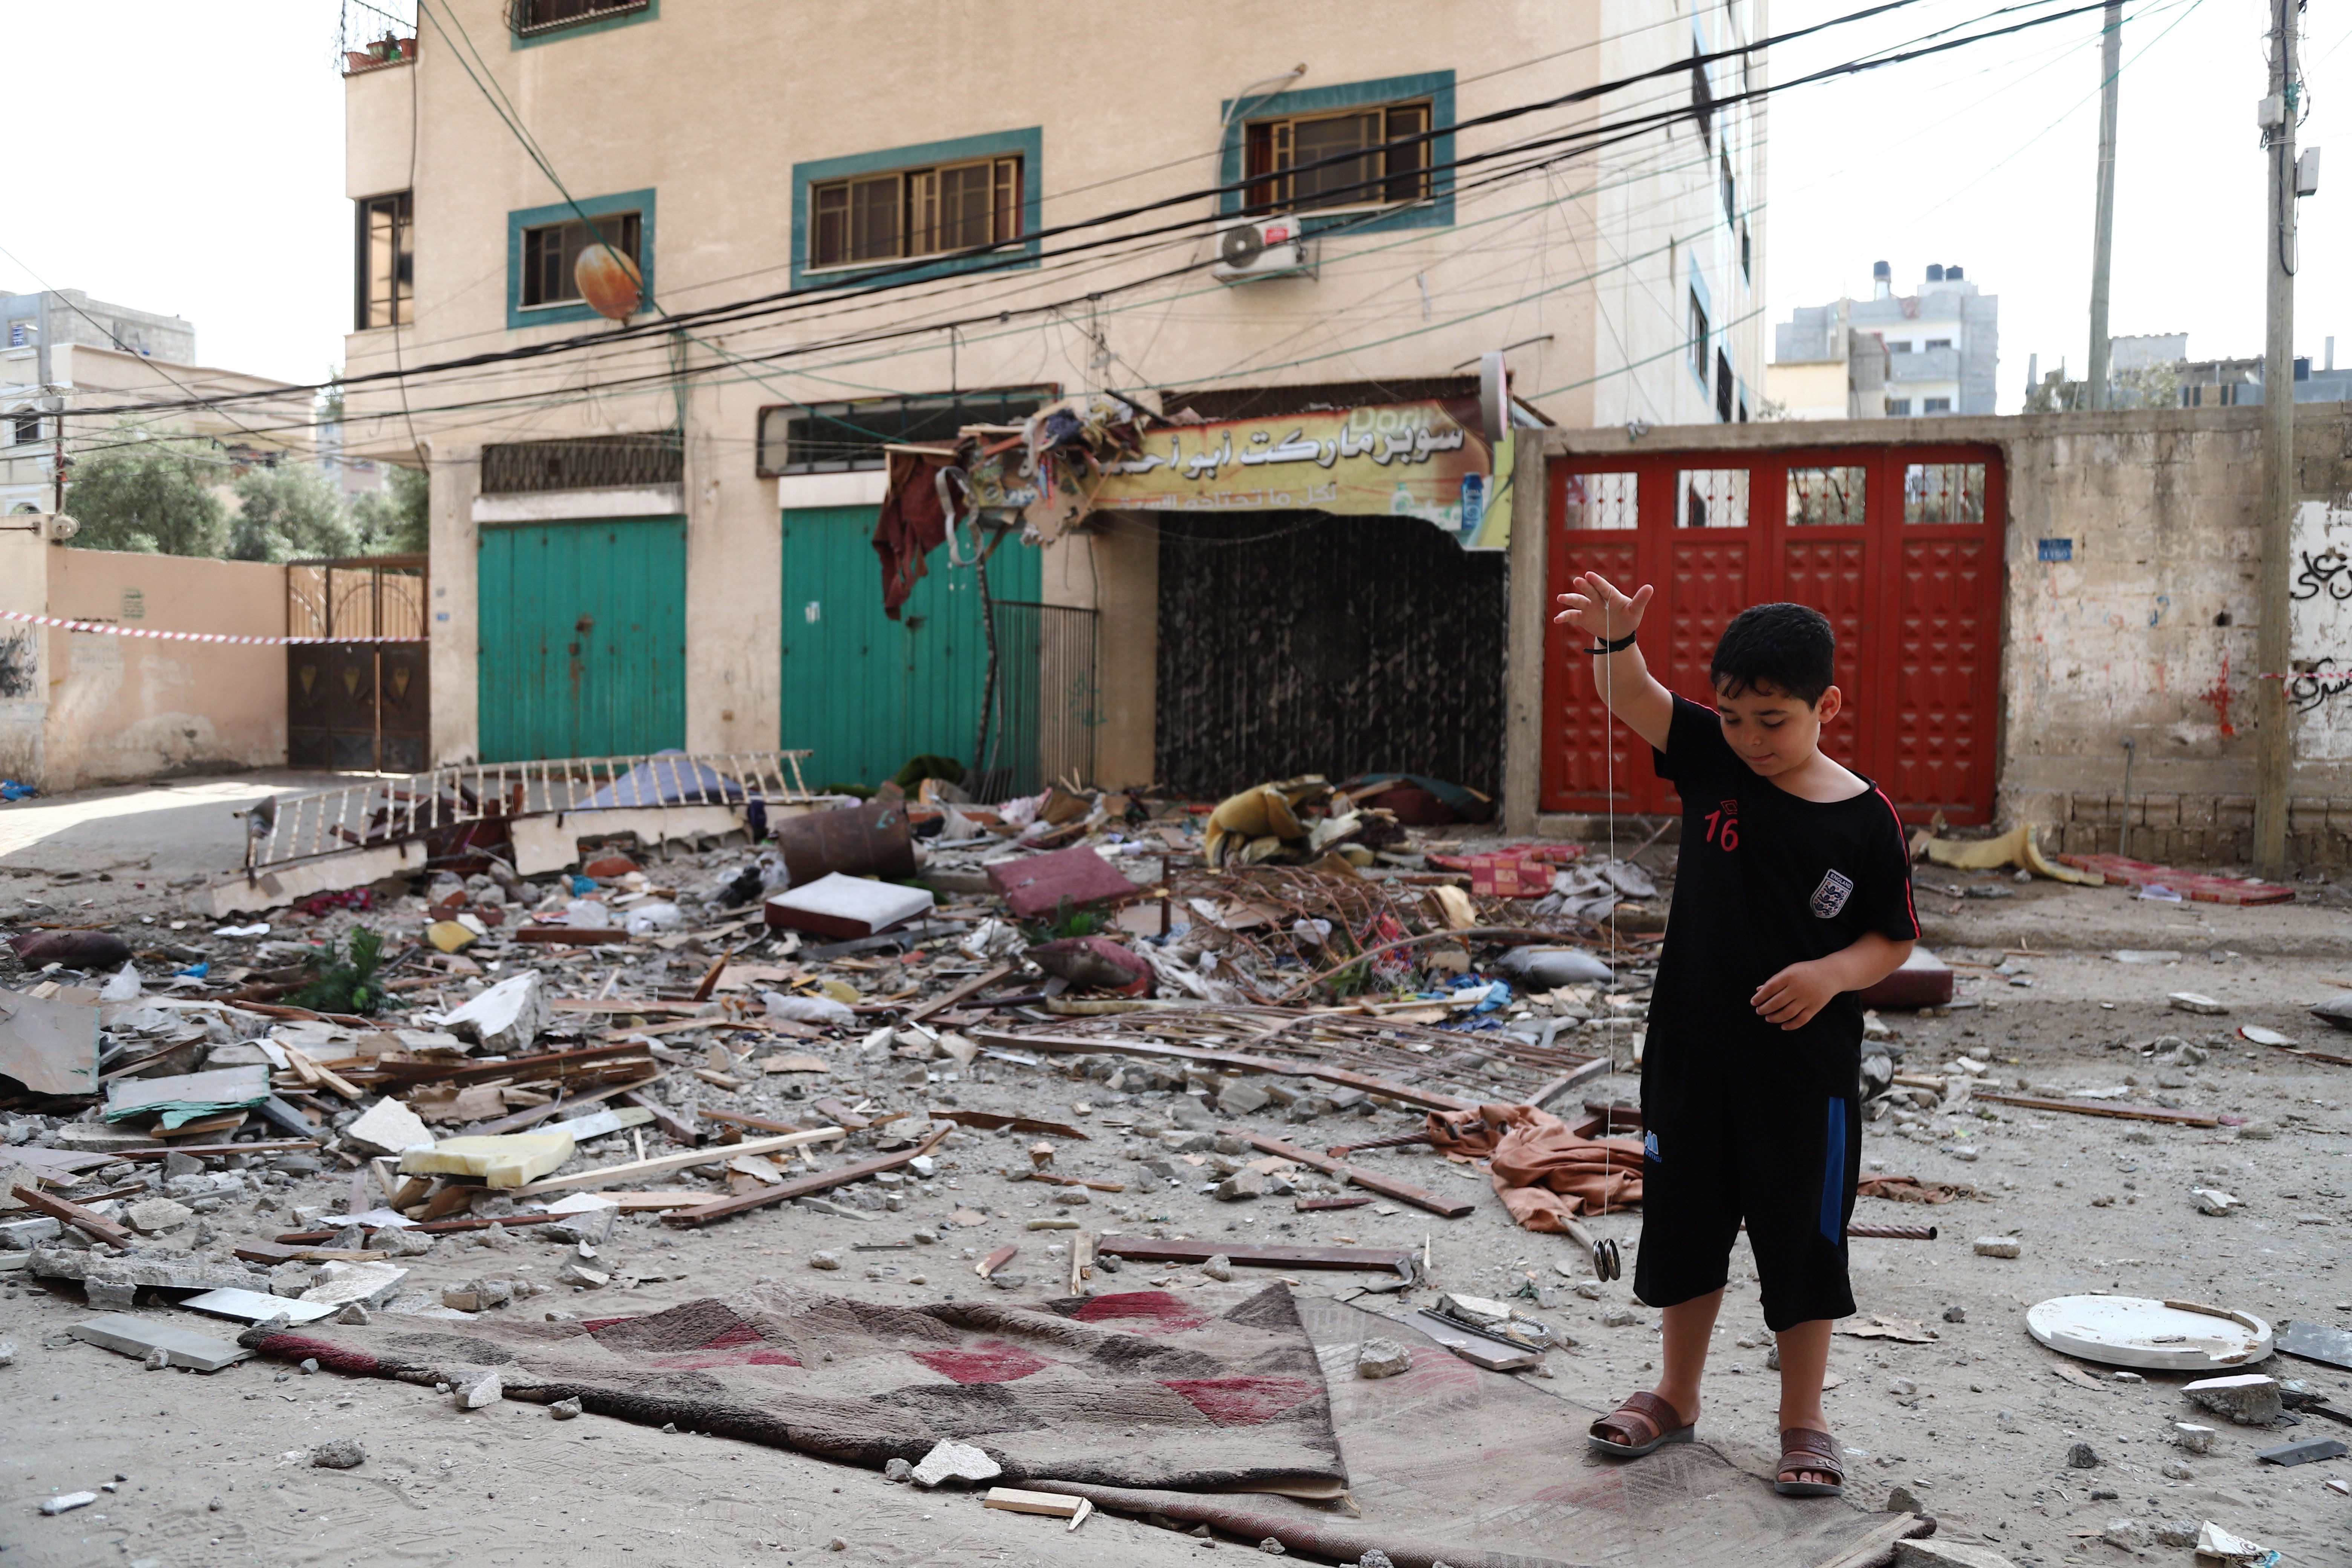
x: 60, y: 624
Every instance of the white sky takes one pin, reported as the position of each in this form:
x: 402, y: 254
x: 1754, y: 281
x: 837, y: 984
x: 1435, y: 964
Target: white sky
x: 207, y: 174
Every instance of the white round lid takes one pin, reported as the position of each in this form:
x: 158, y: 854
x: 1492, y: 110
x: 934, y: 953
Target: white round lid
x: 2133, y: 1331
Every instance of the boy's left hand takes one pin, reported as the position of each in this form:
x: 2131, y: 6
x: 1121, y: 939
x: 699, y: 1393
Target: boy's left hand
x: 1792, y: 997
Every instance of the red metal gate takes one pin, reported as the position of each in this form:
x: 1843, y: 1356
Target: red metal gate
x: 1898, y: 546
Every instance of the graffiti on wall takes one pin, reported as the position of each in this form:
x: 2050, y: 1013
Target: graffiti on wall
x: 2319, y: 687
x: 19, y: 667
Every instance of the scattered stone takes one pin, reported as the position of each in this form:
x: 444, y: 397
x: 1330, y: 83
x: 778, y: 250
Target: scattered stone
x: 1004, y: 1281
x: 475, y: 1388
x: 1375, y: 1558
x: 388, y: 1127
x: 339, y: 1454
x: 1619, y: 1317
x: 2173, y: 1533
x: 1382, y: 1358
x: 2128, y: 1533
x: 824, y: 1260
x: 897, y: 1470
x: 2213, y: 1200
x: 1996, y: 1246
x: 1219, y: 1267
x: 2193, y: 1001
x: 399, y: 1241
x: 1955, y: 1314
x: 2248, y: 1399
x: 2174, y: 1470
x: 1902, y: 1500
x: 65, y: 1502
x: 580, y: 1274
x: 1243, y: 1183
x: 565, y: 1409
x: 1272, y: 1547
x: 2196, y: 1439
x: 955, y: 1461
x: 356, y: 1313
x: 7, y: 1353
x: 2260, y: 1130
x: 837, y: 1544
x: 1902, y: 1388
x: 2083, y: 1457
x: 154, y: 1217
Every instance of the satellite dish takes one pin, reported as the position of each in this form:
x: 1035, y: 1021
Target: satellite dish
x: 1241, y: 245
x: 1494, y: 398
x: 609, y: 281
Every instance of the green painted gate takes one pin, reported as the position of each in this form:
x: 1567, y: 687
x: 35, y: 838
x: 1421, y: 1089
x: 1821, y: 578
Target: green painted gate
x: 582, y: 638
x: 865, y: 692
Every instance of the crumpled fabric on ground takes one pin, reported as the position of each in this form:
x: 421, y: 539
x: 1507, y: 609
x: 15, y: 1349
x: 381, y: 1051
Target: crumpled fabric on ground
x: 1543, y: 1174
x: 1912, y: 1190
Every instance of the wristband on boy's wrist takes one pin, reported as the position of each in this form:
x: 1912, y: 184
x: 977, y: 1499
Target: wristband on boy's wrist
x: 1619, y: 646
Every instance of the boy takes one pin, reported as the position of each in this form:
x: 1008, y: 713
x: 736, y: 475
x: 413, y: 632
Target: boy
x: 1793, y: 893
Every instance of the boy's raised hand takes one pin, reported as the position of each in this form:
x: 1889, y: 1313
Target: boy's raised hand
x: 1593, y: 606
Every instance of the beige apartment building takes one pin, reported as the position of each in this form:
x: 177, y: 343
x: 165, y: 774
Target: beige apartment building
x: 856, y: 230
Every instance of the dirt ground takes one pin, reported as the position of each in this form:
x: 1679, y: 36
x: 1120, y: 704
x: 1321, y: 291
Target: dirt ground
x: 1977, y: 1425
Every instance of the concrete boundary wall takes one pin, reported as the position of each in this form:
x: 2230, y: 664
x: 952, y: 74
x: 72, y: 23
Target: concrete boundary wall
x: 2142, y: 625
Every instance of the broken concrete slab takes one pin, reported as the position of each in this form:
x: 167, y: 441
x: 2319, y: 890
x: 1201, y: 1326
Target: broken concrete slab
x: 255, y: 1307
x: 388, y: 1127
x: 338, y: 1283
x: 1382, y: 1358
x: 2250, y: 1399
x: 339, y: 1454
x: 1947, y: 1555
x: 116, y: 1278
x: 152, y: 1216
x: 505, y: 1019
x: 139, y: 1338
x: 474, y: 1387
x: 17, y: 1235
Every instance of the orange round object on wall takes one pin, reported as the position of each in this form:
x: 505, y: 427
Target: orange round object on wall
x: 609, y: 281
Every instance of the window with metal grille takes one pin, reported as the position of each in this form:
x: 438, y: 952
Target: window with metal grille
x: 27, y: 428
x: 1943, y: 493
x: 387, y: 262
x: 914, y: 212
x: 550, y: 254
x: 1825, y: 497
x: 1723, y: 386
x: 1714, y: 498
x: 584, y: 462
x: 530, y: 17
x: 840, y: 438
x: 1358, y: 158
x: 1698, y: 338
x: 1603, y: 500
x: 1730, y: 191
x: 19, y: 333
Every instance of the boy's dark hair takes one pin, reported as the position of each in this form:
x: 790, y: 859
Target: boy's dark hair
x: 1787, y: 648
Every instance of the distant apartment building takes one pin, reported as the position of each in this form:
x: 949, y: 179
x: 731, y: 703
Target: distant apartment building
x: 1940, y: 346
x: 62, y: 351
x: 2154, y: 368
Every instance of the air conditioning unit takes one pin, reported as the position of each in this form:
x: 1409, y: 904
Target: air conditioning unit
x: 1251, y: 249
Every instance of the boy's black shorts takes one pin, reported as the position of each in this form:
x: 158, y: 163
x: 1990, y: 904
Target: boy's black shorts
x: 1785, y: 1161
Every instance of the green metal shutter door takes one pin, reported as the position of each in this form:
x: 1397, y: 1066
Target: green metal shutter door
x: 584, y: 638
x: 865, y: 692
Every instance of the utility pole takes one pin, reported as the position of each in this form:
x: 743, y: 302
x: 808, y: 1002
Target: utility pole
x: 2273, y: 750
x: 2103, y: 235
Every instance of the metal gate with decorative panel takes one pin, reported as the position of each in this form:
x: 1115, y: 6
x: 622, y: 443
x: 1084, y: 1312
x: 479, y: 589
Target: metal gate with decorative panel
x: 1898, y: 546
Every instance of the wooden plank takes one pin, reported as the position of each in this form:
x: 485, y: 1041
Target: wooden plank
x: 531, y: 1115
x: 573, y: 936
x: 1014, y: 1500
x: 74, y: 1215
x: 1322, y: 1205
x: 990, y: 1121
x: 273, y: 1252
x: 2104, y: 1107
x: 660, y: 1164
x: 680, y: 1131
x: 683, y: 1026
x: 1875, y: 1548
x: 1145, y: 1249
x: 1599, y: 1066
x: 624, y: 1004
x: 801, y: 1186
x: 743, y: 1118
x: 2311, y: 1056
x: 1121, y: 1045
x: 430, y: 1228
x: 1404, y: 1193
x: 979, y: 982
x: 270, y: 1146
x: 842, y: 1114
x: 522, y: 1070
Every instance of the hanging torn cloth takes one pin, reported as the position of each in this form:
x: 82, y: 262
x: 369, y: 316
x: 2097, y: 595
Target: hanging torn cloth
x: 913, y: 523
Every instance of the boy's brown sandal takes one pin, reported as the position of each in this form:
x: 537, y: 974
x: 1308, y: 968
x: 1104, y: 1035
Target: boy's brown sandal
x: 1642, y: 1424
x: 1804, y: 1451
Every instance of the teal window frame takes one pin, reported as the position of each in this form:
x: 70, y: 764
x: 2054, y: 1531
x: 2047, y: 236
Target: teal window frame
x: 1028, y: 144
x: 1436, y: 211
x: 517, y: 38
x: 1705, y: 298
x: 519, y: 315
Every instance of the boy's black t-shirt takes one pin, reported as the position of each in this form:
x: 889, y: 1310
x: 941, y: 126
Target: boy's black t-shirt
x: 1767, y: 879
